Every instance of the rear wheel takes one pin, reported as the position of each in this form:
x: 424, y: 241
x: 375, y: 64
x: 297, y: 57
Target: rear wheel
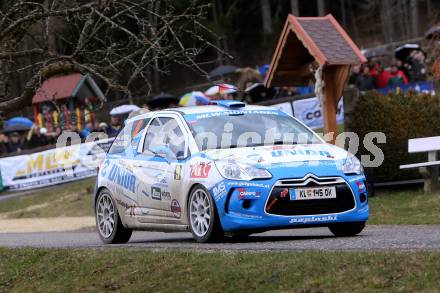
x: 108, y: 222
x: 347, y: 229
x: 202, y: 216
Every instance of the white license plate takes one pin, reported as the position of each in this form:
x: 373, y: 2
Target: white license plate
x: 312, y: 193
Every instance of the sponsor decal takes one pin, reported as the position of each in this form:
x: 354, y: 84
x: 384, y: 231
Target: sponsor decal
x: 357, y: 178
x: 156, y: 193
x: 175, y: 208
x: 161, y: 180
x: 191, y: 117
x: 245, y: 215
x: 219, y: 190
x: 122, y: 178
x: 361, y: 186
x: 243, y: 193
x: 104, y: 166
x: 178, y: 172
x: 137, y: 211
x: 290, y: 153
x: 284, y: 192
x: 303, y: 220
x: 122, y: 203
x: 159, y: 194
x: 255, y: 158
x: 248, y: 184
x: 200, y: 170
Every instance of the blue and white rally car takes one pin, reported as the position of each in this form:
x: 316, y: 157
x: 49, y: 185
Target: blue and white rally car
x: 226, y: 169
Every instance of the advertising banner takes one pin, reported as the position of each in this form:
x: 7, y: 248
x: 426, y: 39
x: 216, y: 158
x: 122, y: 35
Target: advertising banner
x: 285, y: 107
x: 53, y: 166
x: 310, y: 113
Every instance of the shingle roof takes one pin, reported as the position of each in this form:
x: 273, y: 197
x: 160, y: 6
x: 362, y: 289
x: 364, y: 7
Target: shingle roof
x: 66, y: 86
x: 307, y: 39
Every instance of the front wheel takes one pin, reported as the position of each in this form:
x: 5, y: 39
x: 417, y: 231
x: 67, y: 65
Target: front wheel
x: 108, y: 222
x: 202, y: 216
x: 347, y: 229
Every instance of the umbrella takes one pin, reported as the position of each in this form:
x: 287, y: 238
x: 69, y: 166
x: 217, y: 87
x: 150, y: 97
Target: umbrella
x: 163, y: 100
x: 193, y: 99
x: 222, y: 70
x: 403, y: 52
x: 258, y: 92
x: 124, y: 109
x: 15, y: 128
x: 433, y: 31
x: 221, y: 89
x: 19, y: 120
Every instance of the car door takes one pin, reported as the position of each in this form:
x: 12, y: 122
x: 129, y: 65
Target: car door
x: 158, y: 165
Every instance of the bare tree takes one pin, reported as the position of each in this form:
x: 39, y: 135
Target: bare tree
x: 121, y: 42
x: 266, y: 16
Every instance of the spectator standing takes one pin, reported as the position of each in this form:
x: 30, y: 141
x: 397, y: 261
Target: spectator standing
x: 3, y: 143
x: 382, y: 78
x: 397, y: 77
x: 365, y: 81
x: 115, y: 126
x: 88, y: 129
x: 416, y: 61
x: 355, y: 72
x: 36, y: 137
x: 15, y: 142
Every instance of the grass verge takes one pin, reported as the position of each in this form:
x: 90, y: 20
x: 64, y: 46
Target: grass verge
x: 42, y: 270
x: 411, y: 207
x: 67, y: 200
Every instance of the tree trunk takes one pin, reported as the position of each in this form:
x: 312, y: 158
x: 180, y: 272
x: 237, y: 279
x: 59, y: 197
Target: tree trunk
x: 294, y: 6
x: 414, y: 18
x: 266, y: 16
x: 321, y: 7
x: 343, y: 14
x: 387, y: 21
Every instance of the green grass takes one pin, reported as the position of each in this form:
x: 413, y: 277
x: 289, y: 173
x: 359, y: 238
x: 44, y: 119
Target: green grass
x: 43, y: 270
x: 70, y: 199
x: 405, y: 207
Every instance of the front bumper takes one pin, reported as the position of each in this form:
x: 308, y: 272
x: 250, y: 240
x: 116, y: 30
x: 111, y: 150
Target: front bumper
x: 243, y: 205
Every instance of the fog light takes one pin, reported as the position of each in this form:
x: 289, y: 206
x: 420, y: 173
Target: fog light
x: 246, y: 204
x: 363, y: 197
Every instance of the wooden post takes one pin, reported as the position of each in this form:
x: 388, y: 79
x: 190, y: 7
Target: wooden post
x: 334, y: 78
x: 430, y: 174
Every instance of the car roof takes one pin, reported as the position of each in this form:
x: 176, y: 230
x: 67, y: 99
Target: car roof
x: 200, y: 110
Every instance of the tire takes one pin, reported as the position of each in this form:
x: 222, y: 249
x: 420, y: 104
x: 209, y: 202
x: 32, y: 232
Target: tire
x: 106, y: 212
x: 347, y: 229
x: 203, y: 218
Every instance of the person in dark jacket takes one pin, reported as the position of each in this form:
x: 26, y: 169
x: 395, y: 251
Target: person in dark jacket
x: 15, y: 142
x: 365, y: 81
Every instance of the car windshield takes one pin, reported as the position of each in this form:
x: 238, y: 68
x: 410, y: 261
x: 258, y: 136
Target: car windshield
x: 231, y: 129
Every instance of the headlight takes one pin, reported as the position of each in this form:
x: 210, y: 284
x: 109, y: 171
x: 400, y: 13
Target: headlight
x: 352, y: 165
x: 238, y: 171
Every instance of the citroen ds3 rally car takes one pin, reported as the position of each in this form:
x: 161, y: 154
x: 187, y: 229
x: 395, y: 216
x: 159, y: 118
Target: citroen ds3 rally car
x: 227, y: 169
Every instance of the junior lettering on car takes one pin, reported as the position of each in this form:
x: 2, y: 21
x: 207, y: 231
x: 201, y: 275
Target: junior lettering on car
x: 247, y: 187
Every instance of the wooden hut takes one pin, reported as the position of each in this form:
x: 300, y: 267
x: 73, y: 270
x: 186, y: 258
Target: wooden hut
x: 312, y: 48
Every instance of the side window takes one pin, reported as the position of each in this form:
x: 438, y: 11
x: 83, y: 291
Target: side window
x: 152, y: 132
x: 166, y: 132
x: 136, y: 131
x: 121, y: 141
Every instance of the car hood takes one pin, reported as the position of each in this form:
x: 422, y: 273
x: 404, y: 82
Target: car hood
x: 267, y: 155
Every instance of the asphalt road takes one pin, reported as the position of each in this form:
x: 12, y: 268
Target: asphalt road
x: 399, y: 237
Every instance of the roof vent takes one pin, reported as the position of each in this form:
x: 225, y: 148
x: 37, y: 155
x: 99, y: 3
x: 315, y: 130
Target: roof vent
x: 229, y: 103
